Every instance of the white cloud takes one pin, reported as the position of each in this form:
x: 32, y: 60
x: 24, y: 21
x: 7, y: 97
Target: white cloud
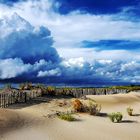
x: 10, y: 68
x: 69, y: 30
x: 74, y: 62
x: 75, y: 68
x: 90, y: 54
x: 53, y: 72
x: 118, y: 71
x: 29, y: 43
x: 130, y: 66
x: 105, y: 62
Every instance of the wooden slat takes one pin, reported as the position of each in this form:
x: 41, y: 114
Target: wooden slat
x: 7, y: 99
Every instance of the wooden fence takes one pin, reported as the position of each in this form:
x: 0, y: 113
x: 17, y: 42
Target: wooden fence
x: 79, y: 92
x: 7, y: 99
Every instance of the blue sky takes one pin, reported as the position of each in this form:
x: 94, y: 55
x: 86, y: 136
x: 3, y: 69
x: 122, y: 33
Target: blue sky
x: 69, y: 42
x: 113, y: 45
x: 95, y: 6
x: 90, y: 6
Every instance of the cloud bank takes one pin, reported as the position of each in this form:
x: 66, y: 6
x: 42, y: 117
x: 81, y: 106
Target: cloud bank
x: 38, y: 43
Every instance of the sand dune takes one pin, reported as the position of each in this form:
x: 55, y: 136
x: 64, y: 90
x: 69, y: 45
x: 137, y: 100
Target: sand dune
x: 32, y: 123
x: 117, y: 99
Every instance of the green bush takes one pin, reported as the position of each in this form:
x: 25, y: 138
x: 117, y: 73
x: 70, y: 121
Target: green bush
x: 115, y: 117
x: 119, y: 117
x: 93, y: 108
x: 112, y: 117
x: 129, y: 111
x: 66, y: 116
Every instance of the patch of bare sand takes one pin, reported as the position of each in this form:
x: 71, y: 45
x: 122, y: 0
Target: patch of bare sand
x: 117, y: 99
x: 37, y: 126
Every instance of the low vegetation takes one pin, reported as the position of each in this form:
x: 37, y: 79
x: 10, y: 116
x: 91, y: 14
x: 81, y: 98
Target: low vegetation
x: 78, y: 106
x: 129, y: 111
x: 116, y: 117
x: 26, y: 86
x: 66, y: 116
x: 128, y: 88
x: 93, y: 108
x: 50, y: 90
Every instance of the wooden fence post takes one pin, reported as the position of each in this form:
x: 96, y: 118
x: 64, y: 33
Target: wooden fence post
x: 3, y: 100
x: 25, y: 94
x: 0, y: 100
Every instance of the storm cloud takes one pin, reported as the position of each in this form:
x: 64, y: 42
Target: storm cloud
x: 21, y: 40
x: 25, y: 49
x: 40, y: 42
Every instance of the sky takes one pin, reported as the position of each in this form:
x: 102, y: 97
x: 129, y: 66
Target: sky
x: 70, y: 42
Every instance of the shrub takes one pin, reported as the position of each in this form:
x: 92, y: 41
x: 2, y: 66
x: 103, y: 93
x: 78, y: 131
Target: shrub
x: 21, y: 86
x: 51, y: 90
x: 119, y: 117
x: 130, y: 111
x: 116, y: 117
x: 26, y: 86
x: 112, y: 117
x: 94, y: 108
x: 66, y: 116
x: 77, y: 105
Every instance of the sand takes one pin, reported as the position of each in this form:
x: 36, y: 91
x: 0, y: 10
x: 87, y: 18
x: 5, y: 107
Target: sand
x: 37, y: 122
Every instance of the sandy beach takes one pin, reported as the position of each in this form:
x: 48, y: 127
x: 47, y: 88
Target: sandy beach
x: 36, y: 121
